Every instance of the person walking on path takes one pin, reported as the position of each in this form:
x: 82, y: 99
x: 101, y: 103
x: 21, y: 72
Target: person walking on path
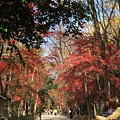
x: 71, y: 113
x: 55, y: 112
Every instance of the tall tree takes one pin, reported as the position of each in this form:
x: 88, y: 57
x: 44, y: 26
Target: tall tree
x: 102, y: 13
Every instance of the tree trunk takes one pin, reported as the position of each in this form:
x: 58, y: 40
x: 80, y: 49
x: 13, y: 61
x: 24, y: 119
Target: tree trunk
x: 100, y: 40
x: 6, y: 92
x: 35, y: 105
x: 1, y: 87
x: 87, y: 100
x: 1, y: 52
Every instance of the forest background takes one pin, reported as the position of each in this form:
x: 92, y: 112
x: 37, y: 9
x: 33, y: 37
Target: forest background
x: 59, y: 53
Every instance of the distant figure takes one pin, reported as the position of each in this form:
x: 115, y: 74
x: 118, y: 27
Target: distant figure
x: 55, y: 112
x: 110, y: 110
x: 51, y: 111
x: 71, y: 113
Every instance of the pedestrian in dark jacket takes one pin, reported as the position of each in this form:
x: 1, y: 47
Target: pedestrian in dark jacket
x: 71, y: 113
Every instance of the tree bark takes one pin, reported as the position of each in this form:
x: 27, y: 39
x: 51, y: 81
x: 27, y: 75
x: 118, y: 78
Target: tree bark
x: 101, y: 40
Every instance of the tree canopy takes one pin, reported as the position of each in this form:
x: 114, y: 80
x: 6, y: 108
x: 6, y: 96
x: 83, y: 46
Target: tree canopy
x: 26, y: 20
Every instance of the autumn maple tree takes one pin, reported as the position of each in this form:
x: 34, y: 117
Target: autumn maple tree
x: 81, y: 74
x: 85, y: 64
x: 91, y: 61
x: 83, y: 71
x: 25, y: 82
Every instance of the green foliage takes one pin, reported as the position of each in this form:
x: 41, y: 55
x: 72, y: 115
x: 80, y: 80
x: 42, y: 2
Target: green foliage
x: 25, y: 20
x: 14, y: 113
x: 14, y: 109
x: 43, y: 94
x: 49, y: 84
